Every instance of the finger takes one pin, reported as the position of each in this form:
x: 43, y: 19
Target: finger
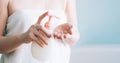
x: 70, y: 31
x: 45, y: 31
x: 69, y: 28
x: 44, y: 38
x: 41, y: 28
x: 34, y: 38
x: 63, y: 37
x: 65, y: 31
x: 68, y: 36
x: 59, y: 35
x: 41, y: 17
x: 41, y: 37
x: 55, y: 35
x: 39, y: 41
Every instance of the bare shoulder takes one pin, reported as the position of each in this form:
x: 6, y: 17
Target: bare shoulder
x: 4, y: 2
x: 3, y: 15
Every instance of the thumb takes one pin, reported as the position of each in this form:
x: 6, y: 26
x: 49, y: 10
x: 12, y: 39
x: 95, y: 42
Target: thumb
x: 41, y: 17
x: 69, y: 29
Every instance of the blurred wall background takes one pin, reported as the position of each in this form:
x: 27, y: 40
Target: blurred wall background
x: 99, y: 22
x: 99, y: 26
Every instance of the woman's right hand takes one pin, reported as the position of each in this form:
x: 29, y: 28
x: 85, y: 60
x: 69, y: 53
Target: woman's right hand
x: 37, y: 33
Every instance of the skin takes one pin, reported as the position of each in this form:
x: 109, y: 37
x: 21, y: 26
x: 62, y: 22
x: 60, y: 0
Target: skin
x: 37, y: 33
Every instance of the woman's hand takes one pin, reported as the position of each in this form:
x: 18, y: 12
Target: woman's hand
x: 67, y: 33
x: 62, y: 31
x: 37, y: 33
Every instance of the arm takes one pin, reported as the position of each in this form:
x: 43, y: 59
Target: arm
x: 7, y: 44
x: 72, y: 19
x: 36, y: 33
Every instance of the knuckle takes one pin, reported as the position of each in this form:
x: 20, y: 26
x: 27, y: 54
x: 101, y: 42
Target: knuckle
x: 33, y: 26
x: 30, y: 35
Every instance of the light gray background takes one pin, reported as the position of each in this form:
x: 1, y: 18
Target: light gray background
x: 99, y: 22
x: 99, y: 25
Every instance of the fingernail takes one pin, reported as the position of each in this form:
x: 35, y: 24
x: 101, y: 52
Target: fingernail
x: 46, y: 43
x: 64, y: 36
x: 55, y: 33
x: 58, y: 35
x: 42, y: 46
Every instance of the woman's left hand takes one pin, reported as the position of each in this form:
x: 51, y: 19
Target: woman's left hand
x: 67, y: 33
x: 62, y: 31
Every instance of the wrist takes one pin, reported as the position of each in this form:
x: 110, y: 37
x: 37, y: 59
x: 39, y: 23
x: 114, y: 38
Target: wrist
x: 22, y: 38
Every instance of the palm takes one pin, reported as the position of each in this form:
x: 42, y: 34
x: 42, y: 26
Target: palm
x: 62, y: 30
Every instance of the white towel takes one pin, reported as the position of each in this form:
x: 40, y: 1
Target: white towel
x: 20, y: 22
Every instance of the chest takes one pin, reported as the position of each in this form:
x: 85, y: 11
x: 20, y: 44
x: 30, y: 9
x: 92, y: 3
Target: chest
x: 15, y: 5
x: 36, y: 4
